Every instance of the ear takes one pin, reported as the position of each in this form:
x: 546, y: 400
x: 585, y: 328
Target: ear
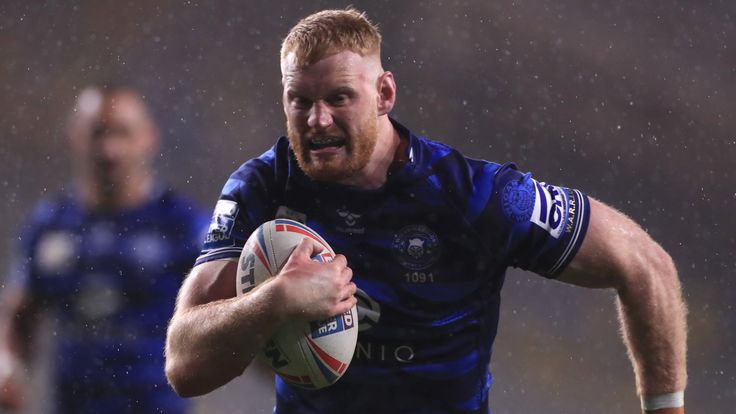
x: 386, y: 93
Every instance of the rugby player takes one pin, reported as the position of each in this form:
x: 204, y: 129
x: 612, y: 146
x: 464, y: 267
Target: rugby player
x: 104, y: 260
x: 425, y: 235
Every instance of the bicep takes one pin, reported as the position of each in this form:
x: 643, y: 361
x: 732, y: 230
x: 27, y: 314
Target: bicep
x: 613, y: 245
x: 208, y: 282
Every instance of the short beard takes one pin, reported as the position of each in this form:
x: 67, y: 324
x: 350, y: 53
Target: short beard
x: 358, y: 151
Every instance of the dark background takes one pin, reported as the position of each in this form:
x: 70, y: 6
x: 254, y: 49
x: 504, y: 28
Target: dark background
x: 630, y: 101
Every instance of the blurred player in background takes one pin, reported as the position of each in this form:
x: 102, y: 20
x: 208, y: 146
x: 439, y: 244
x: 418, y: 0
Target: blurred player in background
x: 428, y: 234
x: 106, y: 258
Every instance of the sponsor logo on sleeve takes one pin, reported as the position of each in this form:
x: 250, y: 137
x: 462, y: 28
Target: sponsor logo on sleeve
x: 223, y: 221
x: 550, y: 208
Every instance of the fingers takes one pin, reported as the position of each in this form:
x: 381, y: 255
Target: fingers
x: 346, y: 273
x: 347, y: 299
x: 306, y: 249
x: 340, y: 260
x: 348, y: 291
x: 344, y: 306
x: 332, y: 278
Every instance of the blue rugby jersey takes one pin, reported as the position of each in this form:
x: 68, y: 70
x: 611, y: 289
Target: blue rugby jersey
x: 110, y: 281
x: 429, y: 251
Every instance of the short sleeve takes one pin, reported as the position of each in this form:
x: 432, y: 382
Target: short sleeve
x: 243, y: 205
x: 227, y: 231
x: 543, y: 225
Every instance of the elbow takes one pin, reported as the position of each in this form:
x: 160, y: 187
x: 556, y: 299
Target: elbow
x: 652, y: 268
x: 665, y: 266
x: 191, y: 376
x: 179, y: 381
x: 181, y: 372
x: 183, y: 381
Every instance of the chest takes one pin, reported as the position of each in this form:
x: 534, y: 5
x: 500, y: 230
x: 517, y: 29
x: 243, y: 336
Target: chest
x: 409, y: 248
x: 101, y: 267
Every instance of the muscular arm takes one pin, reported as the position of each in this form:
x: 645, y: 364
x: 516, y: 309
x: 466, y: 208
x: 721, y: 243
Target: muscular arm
x: 214, y: 335
x: 617, y: 253
x: 206, y: 344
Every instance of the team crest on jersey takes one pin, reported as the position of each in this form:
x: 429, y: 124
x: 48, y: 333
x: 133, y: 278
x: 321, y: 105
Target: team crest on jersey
x: 518, y: 200
x: 416, y: 247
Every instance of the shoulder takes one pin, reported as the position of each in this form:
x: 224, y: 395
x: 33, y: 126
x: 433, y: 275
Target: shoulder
x: 428, y: 156
x: 262, y: 171
x: 274, y: 159
x: 47, y: 216
x: 52, y: 210
x: 472, y: 185
x: 446, y: 167
x: 435, y: 156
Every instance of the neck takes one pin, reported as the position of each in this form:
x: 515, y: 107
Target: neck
x: 99, y: 195
x: 375, y: 173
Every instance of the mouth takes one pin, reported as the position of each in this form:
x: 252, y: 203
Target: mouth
x: 323, y: 142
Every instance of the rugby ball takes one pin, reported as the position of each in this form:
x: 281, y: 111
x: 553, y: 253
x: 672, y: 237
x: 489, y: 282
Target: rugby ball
x: 309, y: 355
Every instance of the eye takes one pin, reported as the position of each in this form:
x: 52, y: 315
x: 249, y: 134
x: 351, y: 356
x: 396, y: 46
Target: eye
x: 338, y: 100
x: 300, y: 103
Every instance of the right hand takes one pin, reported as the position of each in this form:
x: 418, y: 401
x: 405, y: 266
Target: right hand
x: 312, y: 290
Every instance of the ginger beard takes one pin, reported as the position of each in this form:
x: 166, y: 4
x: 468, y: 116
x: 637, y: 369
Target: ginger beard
x: 358, y: 148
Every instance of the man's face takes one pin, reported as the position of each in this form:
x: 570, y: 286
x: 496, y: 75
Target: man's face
x: 331, y: 114
x: 113, y: 137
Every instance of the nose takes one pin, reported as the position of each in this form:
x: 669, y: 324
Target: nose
x: 320, y: 116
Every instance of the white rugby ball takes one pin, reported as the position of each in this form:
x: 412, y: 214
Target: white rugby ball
x: 309, y: 355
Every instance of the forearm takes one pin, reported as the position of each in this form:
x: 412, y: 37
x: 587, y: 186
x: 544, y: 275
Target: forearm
x: 617, y: 253
x: 210, y: 344
x: 652, y: 314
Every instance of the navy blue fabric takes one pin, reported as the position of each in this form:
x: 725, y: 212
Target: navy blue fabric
x: 110, y: 282
x: 429, y: 251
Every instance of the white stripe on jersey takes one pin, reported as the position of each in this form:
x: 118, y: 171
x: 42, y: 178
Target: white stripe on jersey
x: 576, y: 233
